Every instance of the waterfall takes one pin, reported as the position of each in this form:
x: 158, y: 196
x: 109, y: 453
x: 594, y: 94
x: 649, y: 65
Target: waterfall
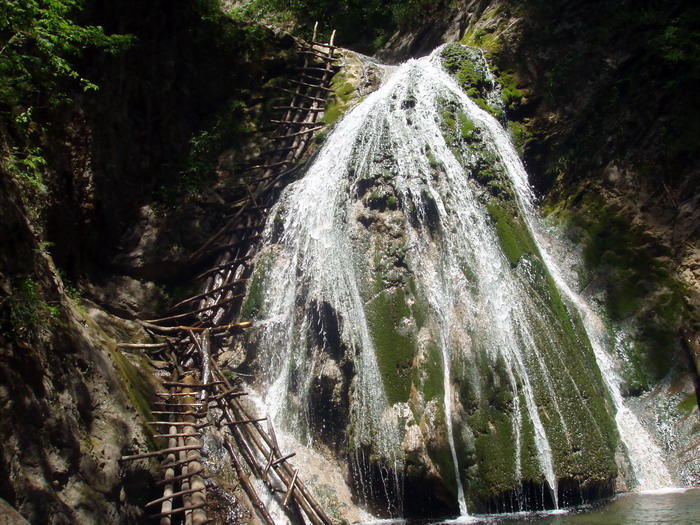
x: 407, y: 313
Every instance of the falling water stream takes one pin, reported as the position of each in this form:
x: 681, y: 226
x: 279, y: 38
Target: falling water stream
x: 318, y: 254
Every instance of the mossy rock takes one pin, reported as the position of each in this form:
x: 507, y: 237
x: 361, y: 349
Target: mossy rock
x: 632, y: 269
x: 395, y: 349
x: 513, y: 234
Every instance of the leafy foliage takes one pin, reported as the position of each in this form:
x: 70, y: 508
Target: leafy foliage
x: 25, y: 314
x: 38, y: 44
x: 38, y: 41
x: 367, y: 24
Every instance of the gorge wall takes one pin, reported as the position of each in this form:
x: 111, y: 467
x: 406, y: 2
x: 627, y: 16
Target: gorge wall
x: 138, y: 174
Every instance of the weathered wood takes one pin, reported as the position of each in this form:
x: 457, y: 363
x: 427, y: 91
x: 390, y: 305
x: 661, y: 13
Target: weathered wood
x: 244, y: 421
x: 222, y: 247
x: 247, y: 485
x: 142, y: 345
x: 187, y: 434
x: 329, y: 46
x: 179, y: 510
x: 312, y: 86
x: 178, y: 424
x: 181, y: 476
x: 316, y: 54
x: 232, y: 392
x: 227, y: 266
x: 313, y: 68
x: 169, y: 329
x: 307, y: 97
x: 166, y: 404
x: 168, y: 476
x: 159, y: 452
x: 175, y: 395
x: 276, y: 164
x: 292, y: 124
x: 308, y: 504
x: 214, y: 306
x: 253, y: 442
x: 305, y: 132
x: 177, y: 463
x: 201, y: 296
x: 298, y: 108
x: 176, y: 413
x: 171, y: 496
x: 196, y: 386
x: 290, y: 489
x: 283, y: 459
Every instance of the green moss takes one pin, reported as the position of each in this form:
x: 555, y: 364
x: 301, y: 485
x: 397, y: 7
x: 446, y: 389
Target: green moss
x: 395, y: 349
x: 340, y: 99
x: 511, y: 95
x: 458, y: 61
x: 689, y: 404
x: 489, y: 417
x: 521, y: 136
x: 467, y: 128
x: 485, y: 38
x: 140, y: 390
x: 633, y: 269
x: 515, y: 239
x: 430, y: 375
x: 254, y: 298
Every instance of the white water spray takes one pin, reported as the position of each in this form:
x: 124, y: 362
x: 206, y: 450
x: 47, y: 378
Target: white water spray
x: 315, y: 256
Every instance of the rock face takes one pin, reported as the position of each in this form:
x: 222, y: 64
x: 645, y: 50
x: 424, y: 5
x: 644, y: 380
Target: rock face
x: 123, y: 207
x: 610, y: 142
x: 64, y: 397
x: 405, y: 317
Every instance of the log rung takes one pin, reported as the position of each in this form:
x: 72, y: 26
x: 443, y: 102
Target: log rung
x: 179, y: 510
x: 172, y: 413
x: 328, y: 46
x: 177, y: 463
x: 228, y: 266
x: 232, y: 392
x: 160, y: 452
x: 196, y: 386
x: 196, y: 405
x: 312, y: 68
x: 308, y: 97
x: 283, y: 459
x: 179, y: 394
x: 181, y: 476
x: 317, y: 54
x: 179, y: 424
x: 312, y: 86
x: 305, y: 132
x: 183, y: 435
x: 244, y: 421
x: 290, y: 488
x: 291, y: 124
x: 172, y: 496
x: 298, y: 108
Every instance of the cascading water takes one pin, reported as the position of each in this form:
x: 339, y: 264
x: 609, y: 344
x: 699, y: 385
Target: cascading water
x: 407, y: 317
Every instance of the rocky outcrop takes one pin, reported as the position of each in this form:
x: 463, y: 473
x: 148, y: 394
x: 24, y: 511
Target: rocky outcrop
x: 67, y: 395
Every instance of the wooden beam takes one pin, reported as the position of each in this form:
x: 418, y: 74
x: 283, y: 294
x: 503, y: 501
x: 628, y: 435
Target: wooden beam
x: 297, y: 94
x: 171, y: 496
x: 181, y: 476
x: 160, y: 452
x: 179, y: 510
x: 290, y: 489
x: 305, y: 132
